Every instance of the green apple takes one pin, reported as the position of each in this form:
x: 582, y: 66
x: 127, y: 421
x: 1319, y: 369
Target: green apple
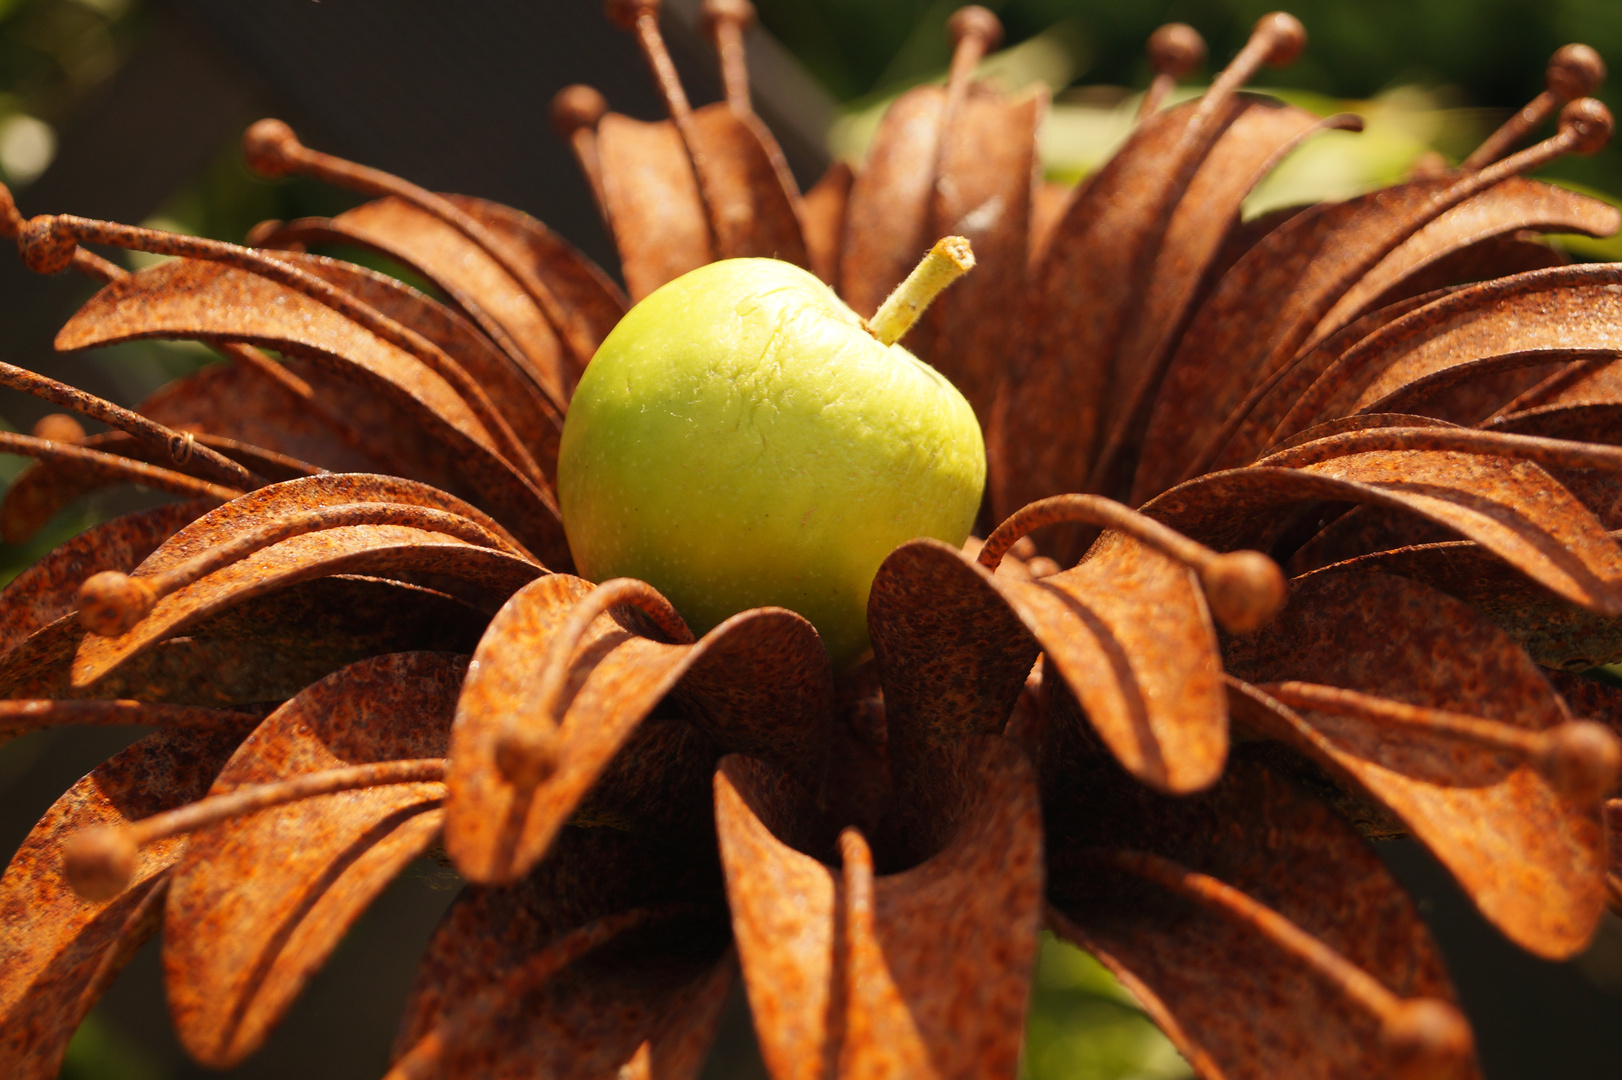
x: 741, y: 440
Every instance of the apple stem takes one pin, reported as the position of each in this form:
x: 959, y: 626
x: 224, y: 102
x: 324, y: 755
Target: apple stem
x: 948, y: 260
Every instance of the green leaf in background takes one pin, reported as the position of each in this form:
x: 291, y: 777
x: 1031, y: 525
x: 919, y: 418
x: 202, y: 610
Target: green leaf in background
x: 1084, y: 1025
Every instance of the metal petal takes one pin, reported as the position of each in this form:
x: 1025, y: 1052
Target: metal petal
x: 1235, y: 1001
x: 49, y: 589
x: 263, y: 650
x: 58, y: 953
x: 852, y: 973
x: 751, y: 211
x: 887, y: 213
x: 257, y: 904
x: 651, y: 202
x: 1535, y: 869
x: 186, y: 298
x: 983, y: 192
x: 822, y: 216
x: 761, y: 679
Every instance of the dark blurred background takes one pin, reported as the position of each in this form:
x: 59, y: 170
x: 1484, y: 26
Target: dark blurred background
x: 131, y: 109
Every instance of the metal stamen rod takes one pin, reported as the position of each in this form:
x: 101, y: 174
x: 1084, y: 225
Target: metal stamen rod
x: 948, y: 260
x: 1174, y: 50
x: 726, y: 20
x: 1579, y: 758
x: 1426, y: 1038
x: 526, y: 748
x: 1574, y: 71
x: 212, y: 463
x: 273, y: 150
x: 99, y: 862
x: 1244, y: 588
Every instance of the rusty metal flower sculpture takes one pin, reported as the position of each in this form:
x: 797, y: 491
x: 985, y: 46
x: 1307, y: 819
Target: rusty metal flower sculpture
x: 359, y: 636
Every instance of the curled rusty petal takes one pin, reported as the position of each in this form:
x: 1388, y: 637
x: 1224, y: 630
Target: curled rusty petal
x: 1283, y: 285
x: 1474, y: 391
x: 1400, y: 639
x: 852, y: 975
x: 646, y: 1003
x: 761, y: 679
x: 265, y: 649
x: 1531, y: 859
x: 43, y: 489
x: 1235, y: 997
x: 1575, y: 308
x: 225, y: 400
x: 589, y: 876
x: 48, y: 590
x: 887, y: 213
x: 502, y: 385
x: 58, y: 952
x: 1507, y: 207
x: 822, y: 217
x: 751, y: 211
x: 1249, y: 428
x: 1088, y: 288
x: 1485, y: 259
x: 1552, y: 631
x: 982, y: 192
x: 375, y: 550
x: 1261, y: 134
x: 651, y: 202
x: 470, y: 276
x: 243, y: 935
x: 187, y: 298
x: 588, y: 296
x: 1512, y: 508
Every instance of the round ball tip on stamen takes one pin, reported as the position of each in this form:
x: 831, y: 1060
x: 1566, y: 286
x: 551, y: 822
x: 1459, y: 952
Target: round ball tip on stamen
x: 58, y: 427
x: 741, y: 12
x: 1425, y: 1039
x: 1287, y: 34
x: 1244, y: 588
x: 1580, y: 759
x: 1574, y: 71
x: 1590, y: 121
x: 99, y: 862
x: 46, y: 246
x: 975, y: 22
x: 527, y: 754
x: 110, y: 603
x: 1176, y: 49
x: 271, y: 149
x: 576, y: 107
x: 624, y: 13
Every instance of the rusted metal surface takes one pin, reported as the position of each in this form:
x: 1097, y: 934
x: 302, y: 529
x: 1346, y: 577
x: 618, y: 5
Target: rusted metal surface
x: 60, y: 951
x: 196, y: 299
x: 1513, y: 205
x: 759, y: 680
x: 1536, y: 875
x: 822, y: 218
x: 1256, y: 927
x: 982, y: 191
x: 43, y: 489
x: 651, y: 202
x: 853, y: 977
x: 21, y: 717
x: 887, y: 213
x: 1238, y: 1000
x: 47, y: 590
x: 243, y: 934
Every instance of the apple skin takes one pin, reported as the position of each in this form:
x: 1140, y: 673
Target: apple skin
x: 739, y: 440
